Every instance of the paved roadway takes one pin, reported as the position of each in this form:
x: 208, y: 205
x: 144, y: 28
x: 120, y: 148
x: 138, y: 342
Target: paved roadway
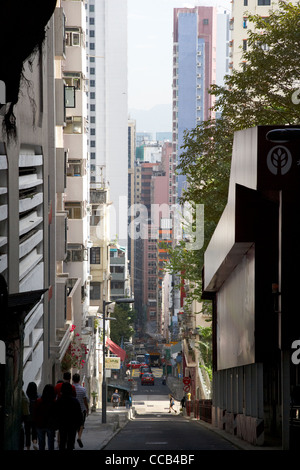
x: 154, y: 428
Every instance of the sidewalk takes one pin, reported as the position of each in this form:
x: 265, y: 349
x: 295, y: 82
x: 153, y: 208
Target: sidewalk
x: 96, y: 435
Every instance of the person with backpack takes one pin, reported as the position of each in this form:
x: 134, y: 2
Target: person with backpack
x: 115, y: 399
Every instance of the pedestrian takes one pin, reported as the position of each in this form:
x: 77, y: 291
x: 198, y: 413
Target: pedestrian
x: 43, y: 417
x: 183, y: 401
x: 115, y: 399
x: 68, y: 417
x: 29, y: 425
x: 172, y: 403
x: 66, y: 378
x: 24, y: 418
x: 82, y: 397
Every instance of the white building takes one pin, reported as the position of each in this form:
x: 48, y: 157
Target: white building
x: 239, y: 24
x: 108, y: 110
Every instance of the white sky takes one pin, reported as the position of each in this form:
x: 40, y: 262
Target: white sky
x: 150, y: 37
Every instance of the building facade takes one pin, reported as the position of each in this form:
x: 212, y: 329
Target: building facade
x: 108, y: 111
x: 194, y: 70
x: 239, y: 25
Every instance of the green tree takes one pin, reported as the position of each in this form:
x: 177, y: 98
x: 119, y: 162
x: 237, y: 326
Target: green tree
x: 265, y: 91
x: 121, y: 328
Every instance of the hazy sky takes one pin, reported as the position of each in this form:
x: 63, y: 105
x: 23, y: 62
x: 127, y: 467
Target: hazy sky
x: 150, y: 37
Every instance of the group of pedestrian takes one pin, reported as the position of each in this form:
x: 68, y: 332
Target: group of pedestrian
x: 61, y: 409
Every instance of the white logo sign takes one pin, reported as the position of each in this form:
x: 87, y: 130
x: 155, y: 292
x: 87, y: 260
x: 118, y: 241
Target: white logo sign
x: 279, y: 160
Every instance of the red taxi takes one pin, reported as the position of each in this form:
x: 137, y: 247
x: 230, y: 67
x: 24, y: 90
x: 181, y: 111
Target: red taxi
x: 147, y: 379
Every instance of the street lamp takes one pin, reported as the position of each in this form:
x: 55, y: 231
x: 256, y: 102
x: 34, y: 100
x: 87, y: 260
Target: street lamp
x: 105, y: 303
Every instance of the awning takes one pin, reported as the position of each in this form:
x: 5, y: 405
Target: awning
x: 115, y: 349
x: 117, y: 386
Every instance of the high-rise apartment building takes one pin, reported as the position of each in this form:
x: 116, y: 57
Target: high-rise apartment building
x: 74, y: 276
x: 239, y: 25
x: 106, y: 43
x: 131, y: 193
x: 194, y: 69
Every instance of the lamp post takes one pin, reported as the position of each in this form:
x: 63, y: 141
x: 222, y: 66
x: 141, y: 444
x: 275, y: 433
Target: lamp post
x: 105, y: 303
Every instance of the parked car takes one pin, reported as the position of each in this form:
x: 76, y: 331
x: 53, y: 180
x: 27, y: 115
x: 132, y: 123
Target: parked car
x: 147, y: 379
x: 134, y: 365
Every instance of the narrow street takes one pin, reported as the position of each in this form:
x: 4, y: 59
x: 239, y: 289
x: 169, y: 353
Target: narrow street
x: 154, y: 428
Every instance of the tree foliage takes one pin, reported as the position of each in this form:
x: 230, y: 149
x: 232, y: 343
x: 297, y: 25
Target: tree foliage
x: 264, y: 91
x: 121, y: 328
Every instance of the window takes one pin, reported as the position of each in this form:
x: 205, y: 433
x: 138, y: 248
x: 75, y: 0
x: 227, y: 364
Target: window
x: 245, y: 23
x: 74, y: 210
x: 95, y: 255
x: 76, y: 253
x: 73, y: 125
x: 74, y: 168
x: 116, y: 285
x: 92, y: 46
x: 245, y: 3
x: 73, y: 79
x: 92, y: 83
x: 117, y: 269
x: 74, y: 37
x: 263, y: 2
x: 93, y: 131
x: 95, y: 216
x: 95, y: 290
x: 244, y: 44
x: 70, y: 97
x: 93, y: 155
x: 205, y: 21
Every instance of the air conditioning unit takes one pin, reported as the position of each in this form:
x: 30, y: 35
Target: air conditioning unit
x: 198, y: 108
x: 199, y: 75
x: 90, y: 277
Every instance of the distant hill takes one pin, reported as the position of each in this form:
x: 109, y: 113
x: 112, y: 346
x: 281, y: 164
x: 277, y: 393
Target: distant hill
x: 156, y: 119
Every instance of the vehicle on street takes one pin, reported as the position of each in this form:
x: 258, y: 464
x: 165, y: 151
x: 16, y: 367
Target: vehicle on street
x: 147, y: 379
x: 143, y: 364
x: 134, y: 365
x: 145, y: 370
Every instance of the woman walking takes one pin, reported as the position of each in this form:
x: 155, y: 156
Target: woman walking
x: 44, y: 417
x: 68, y: 417
x: 172, y: 403
x: 30, y: 427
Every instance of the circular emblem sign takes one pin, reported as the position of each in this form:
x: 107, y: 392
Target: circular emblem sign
x: 279, y: 160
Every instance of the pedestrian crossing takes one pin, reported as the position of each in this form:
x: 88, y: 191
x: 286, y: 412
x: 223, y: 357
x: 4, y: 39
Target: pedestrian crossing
x: 156, y: 371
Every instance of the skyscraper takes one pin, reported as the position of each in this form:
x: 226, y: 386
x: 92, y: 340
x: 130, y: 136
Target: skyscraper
x: 194, y: 70
x: 108, y: 114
